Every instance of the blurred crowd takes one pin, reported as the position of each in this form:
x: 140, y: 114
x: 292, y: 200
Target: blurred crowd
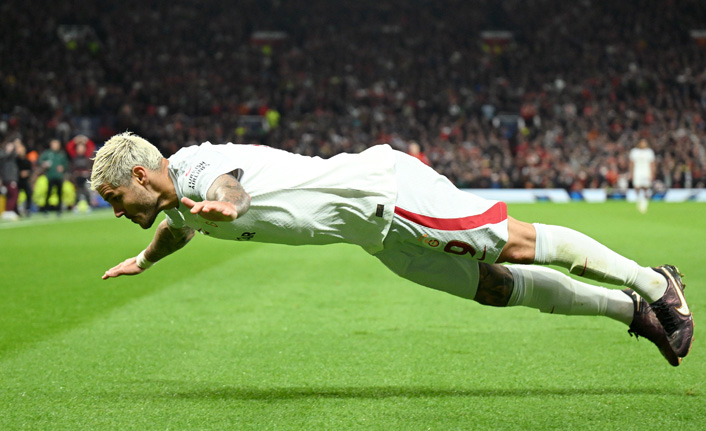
x: 491, y: 93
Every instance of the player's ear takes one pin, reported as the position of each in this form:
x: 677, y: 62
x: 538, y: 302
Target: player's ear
x: 140, y: 174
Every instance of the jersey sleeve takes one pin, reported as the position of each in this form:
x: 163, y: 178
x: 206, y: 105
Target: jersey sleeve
x: 202, y: 169
x: 174, y: 219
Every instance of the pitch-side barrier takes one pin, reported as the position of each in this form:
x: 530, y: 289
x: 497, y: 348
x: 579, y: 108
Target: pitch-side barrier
x: 586, y: 195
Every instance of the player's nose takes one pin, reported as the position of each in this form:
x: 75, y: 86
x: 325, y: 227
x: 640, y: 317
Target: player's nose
x: 118, y: 212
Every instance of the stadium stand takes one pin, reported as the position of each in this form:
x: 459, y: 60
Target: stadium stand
x: 499, y: 94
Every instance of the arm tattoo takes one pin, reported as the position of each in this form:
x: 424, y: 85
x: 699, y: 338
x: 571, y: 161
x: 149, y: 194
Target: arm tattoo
x: 228, y: 189
x: 495, y: 285
x: 167, y: 240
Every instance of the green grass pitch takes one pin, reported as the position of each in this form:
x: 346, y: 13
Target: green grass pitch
x: 232, y: 336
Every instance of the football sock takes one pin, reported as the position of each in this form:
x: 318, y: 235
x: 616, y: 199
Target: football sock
x: 642, y: 201
x: 550, y: 291
x: 586, y: 257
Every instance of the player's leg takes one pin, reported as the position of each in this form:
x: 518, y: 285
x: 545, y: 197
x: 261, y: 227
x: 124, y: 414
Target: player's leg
x: 643, y: 199
x: 580, y: 254
x: 642, y: 184
x: 438, y: 217
x: 443, y: 218
x: 550, y: 291
x: 455, y: 222
x: 529, y: 285
x: 584, y: 256
x: 519, y: 285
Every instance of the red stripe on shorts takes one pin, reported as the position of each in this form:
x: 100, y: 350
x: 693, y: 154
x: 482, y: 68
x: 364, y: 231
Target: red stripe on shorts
x: 493, y: 215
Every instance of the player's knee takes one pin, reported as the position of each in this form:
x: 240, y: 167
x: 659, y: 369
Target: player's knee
x: 521, y: 243
x: 516, y: 254
x: 495, y: 284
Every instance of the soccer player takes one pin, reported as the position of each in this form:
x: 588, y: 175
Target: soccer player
x: 397, y: 209
x: 642, y: 172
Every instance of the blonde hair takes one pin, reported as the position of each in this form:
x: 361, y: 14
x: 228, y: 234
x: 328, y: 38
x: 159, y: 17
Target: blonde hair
x: 114, y: 161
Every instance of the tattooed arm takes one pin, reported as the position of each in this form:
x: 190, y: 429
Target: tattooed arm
x: 226, y: 200
x: 166, y: 241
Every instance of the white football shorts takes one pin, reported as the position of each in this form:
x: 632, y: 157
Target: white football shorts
x: 439, y: 233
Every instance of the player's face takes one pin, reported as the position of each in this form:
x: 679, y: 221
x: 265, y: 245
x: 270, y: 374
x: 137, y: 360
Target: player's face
x: 132, y: 201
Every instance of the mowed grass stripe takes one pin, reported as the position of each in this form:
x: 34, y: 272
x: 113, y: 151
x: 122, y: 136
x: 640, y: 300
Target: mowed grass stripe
x: 51, y: 275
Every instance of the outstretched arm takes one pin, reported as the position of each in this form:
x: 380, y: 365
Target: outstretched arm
x: 226, y: 200
x: 166, y: 240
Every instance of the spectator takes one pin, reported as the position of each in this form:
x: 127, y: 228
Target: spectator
x: 9, y: 176
x: 55, y: 165
x: 81, y: 174
x: 415, y: 151
x: 25, y: 167
x: 72, y: 146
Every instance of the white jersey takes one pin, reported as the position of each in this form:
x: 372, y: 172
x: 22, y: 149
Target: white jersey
x: 642, y: 159
x: 295, y: 199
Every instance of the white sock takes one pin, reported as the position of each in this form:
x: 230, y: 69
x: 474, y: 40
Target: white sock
x: 586, y: 257
x: 642, y: 202
x: 550, y: 291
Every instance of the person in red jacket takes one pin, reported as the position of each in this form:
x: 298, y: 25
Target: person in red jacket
x: 80, y: 139
x: 415, y: 151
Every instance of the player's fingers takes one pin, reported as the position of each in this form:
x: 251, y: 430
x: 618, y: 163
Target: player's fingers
x: 114, y: 271
x: 197, y: 207
x: 219, y: 212
x: 188, y: 202
x: 211, y: 208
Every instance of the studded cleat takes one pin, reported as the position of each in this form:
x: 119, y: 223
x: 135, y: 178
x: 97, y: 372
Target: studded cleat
x: 673, y: 312
x: 645, y: 324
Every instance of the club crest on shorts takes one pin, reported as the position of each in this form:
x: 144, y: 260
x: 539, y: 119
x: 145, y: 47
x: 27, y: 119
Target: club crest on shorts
x: 431, y: 242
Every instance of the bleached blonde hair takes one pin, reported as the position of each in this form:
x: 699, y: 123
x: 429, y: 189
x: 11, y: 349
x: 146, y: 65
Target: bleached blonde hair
x: 114, y: 161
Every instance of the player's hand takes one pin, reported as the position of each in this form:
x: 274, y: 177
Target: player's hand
x: 211, y: 210
x: 127, y: 267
